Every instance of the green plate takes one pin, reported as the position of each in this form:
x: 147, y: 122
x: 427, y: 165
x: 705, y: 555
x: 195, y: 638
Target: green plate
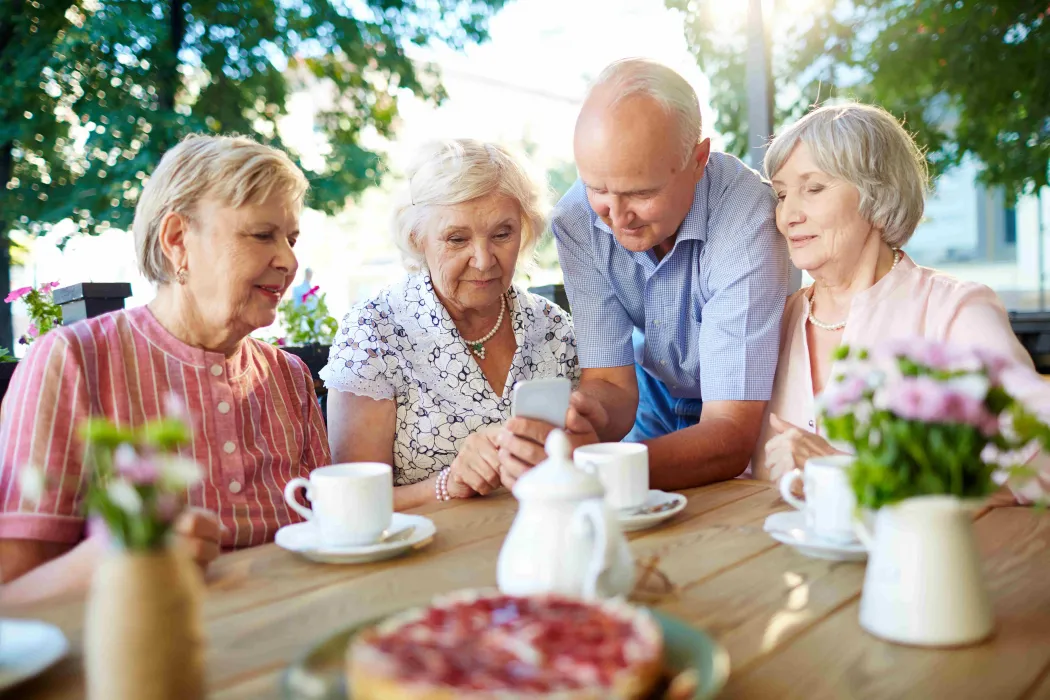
x: 320, y: 673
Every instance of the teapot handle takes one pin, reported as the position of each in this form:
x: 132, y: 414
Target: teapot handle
x: 861, y: 526
x: 594, y: 511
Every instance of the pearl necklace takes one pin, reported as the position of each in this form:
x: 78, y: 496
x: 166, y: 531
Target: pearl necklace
x: 478, y: 346
x: 842, y: 324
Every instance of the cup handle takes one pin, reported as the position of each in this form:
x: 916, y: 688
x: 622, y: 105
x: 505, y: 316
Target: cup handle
x: 786, y: 482
x: 601, y: 554
x: 289, y: 496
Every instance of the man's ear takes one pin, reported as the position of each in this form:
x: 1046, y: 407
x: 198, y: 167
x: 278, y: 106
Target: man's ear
x: 701, y: 154
x: 172, y: 238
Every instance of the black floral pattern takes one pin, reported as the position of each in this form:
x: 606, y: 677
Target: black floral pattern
x: 403, y: 346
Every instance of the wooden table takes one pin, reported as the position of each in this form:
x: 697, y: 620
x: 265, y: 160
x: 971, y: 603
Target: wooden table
x: 789, y: 622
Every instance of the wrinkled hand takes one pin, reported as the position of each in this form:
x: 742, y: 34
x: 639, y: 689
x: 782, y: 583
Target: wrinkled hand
x: 198, y: 532
x: 522, y: 439
x: 476, y: 468
x: 791, y: 447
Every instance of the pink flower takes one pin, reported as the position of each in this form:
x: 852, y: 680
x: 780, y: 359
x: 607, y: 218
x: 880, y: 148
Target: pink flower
x: 17, y: 294
x: 174, y: 407
x: 281, y: 342
x: 33, y: 331
x: 137, y: 470
x: 311, y: 292
x: 49, y: 287
x: 930, y: 401
x: 167, y: 507
x: 840, y: 396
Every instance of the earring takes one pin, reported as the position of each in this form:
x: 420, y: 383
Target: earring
x: 180, y: 276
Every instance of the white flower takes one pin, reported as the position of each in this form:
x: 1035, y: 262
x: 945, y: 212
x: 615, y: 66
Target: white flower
x: 974, y: 386
x: 124, y: 496
x: 176, y: 473
x: 31, y: 483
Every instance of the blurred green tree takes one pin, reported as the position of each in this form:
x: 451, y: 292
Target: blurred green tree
x: 969, y: 77
x: 92, y: 92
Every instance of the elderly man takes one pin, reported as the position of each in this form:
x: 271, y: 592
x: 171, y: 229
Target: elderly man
x: 675, y: 248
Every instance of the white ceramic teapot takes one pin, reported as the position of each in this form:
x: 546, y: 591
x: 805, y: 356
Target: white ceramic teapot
x: 564, y: 539
x: 924, y: 584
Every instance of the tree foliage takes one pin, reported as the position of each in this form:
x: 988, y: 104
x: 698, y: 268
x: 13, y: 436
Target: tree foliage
x: 968, y: 77
x: 92, y: 92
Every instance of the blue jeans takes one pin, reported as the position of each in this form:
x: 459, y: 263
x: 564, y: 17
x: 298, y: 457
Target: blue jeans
x: 659, y: 413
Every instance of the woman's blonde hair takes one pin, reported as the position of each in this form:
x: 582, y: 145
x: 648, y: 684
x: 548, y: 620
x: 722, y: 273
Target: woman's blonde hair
x: 867, y: 147
x: 234, y: 170
x: 454, y: 171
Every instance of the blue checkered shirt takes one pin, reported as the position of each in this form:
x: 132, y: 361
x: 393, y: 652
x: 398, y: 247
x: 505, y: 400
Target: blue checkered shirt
x: 709, y: 310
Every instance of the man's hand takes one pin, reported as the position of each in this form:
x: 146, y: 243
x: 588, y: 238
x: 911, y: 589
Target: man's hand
x: 198, y: 533
x: 522, y: 439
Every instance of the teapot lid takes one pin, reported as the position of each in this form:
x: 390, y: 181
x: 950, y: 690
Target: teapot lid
x: 557, y: 477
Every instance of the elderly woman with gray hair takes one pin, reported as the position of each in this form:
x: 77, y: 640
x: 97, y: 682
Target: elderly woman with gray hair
x: 420, y: 376
x: 214, y: 231
x: 851, y: 185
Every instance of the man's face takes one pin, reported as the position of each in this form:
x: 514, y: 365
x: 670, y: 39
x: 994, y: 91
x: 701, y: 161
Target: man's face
x: 638, y: 180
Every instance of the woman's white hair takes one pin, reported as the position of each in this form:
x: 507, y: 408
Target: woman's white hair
x: 454, y: 171
x: 640, y: 76
x: 235, y: 170
x: 867, y: 147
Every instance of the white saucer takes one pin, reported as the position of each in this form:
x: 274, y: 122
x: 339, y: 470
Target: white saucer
x: 302, y: 538
x: 670, y: 505
x: 790, y: 529
x: 27, y: 648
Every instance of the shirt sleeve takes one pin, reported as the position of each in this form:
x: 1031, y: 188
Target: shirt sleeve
x: 746, y: 289
x: 602, y: 326
x: 562, y: 341
x: 361, y: 360
x: 45, y: 402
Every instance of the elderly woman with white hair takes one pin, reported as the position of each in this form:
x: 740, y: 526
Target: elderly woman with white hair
x: 851, y: 185
x: 214, y: 231
x: 420, y: 376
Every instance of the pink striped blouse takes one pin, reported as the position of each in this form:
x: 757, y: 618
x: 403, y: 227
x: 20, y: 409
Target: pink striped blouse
x: 256, y: 422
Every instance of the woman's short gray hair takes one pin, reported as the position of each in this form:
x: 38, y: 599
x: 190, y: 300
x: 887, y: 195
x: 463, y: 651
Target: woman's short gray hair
x: 642, y: 76
x: 867, y: 147
x: 235, y: 170
x: 454, y: 171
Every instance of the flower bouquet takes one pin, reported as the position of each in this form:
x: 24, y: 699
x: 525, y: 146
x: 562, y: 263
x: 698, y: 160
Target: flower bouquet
x: 933, y: 431
x: 143, y: 634
x: 927, y: 418
x: 44, y: 313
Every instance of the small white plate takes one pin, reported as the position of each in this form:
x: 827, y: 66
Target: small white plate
x: 302, y: 538
x: 790, y: 528
x: 27, y: 648
x: 666, y: 506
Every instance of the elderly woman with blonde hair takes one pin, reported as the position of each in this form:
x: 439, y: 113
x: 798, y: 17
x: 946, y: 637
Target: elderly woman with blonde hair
x: 214, y: 231
x: 420, y: 375
x: 851, y: 187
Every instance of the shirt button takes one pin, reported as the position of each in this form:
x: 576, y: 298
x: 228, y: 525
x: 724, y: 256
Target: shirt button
x: 216, y: 370
x: 235, y: 486
x: 656, y: 324
x: 663, y: 362
x: 811, y: 424
x: 224, y: 407
x: 229, y: 447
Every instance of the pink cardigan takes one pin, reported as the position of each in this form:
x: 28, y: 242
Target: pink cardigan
x: 909, y: 301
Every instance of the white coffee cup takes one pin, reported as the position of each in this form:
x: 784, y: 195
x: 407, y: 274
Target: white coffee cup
x: 623, y: 469
x: 352, y: 503
x: 830, y: 501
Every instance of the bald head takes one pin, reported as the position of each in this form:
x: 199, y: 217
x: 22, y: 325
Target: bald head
x: 638, y: 152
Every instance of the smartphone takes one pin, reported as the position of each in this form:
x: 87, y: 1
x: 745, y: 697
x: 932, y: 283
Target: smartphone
x: 542, y: 399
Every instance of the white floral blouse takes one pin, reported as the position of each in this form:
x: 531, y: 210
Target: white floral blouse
x: 402, y: 345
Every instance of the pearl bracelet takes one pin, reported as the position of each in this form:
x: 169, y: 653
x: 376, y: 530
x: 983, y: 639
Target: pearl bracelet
x: 441, y: 485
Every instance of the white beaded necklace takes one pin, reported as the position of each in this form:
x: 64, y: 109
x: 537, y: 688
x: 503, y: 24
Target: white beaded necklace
x: 478, y: 346
x: 842, y: 324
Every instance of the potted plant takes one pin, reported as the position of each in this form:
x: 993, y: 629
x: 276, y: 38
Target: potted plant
x: 143, y: 636
x: 44, y: 314
x: 309, y: 330
x: 933, y: 431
